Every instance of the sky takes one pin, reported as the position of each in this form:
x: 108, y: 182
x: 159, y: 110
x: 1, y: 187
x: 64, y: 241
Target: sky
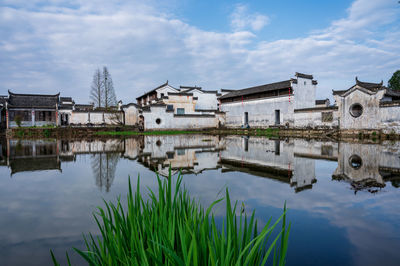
x: 56, y: 45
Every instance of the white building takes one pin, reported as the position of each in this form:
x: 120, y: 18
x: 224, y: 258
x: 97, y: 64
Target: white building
x: 269, y: 104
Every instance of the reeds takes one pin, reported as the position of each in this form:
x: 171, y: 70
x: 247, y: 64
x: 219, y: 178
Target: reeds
x: 173, y: 229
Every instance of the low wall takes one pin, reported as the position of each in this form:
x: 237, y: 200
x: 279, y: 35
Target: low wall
x: 319, y: 117
x: 96, y: 118
x: 389, y: 117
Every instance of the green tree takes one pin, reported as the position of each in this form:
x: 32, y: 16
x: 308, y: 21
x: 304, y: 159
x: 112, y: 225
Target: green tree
x: 394, y: 81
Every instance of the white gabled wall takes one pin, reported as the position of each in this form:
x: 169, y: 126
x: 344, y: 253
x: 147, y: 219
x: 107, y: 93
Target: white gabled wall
x: 304, y: 93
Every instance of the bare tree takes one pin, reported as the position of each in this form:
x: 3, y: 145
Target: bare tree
x: 97, y: 89
x: 110, y: 98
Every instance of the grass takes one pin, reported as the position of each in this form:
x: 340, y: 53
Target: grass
x: 173, y: 229
x: 138, y: 133
x: 269, y: 132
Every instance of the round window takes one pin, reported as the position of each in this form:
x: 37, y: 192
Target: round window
x: 355, y: 161
x: 158, y: 143
x: 356, y: 110
x: 158, y: 121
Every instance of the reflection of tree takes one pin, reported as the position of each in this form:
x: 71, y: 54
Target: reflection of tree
x: 104, y: 166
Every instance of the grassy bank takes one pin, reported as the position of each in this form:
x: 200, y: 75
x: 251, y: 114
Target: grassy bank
x: 171, y: 228
x: 141, y: 133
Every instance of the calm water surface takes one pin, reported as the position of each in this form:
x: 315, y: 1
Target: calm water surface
x: 343, y: 198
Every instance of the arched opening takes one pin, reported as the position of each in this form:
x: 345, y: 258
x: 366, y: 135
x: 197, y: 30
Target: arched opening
x: 158, y: 121
x: 356, y: 110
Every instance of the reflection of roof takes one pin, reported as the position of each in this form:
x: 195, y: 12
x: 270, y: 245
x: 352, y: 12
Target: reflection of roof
x: 283, y: 175
x: 369, y: 184
x: 34, y: 164
x: 32, y: 100
x: 257, y: 89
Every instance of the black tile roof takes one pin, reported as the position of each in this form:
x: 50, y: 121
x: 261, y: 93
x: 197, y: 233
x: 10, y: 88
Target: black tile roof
x: 305, y: 76
x: 189, y: 87
x: 321, y: 101
x: 32, y: 100
x: 65, y: 99
x: 392, y: 93
x: 153, y: 90
x: 370, y: 86
x: 180, y: 93
x: 257, y: 89
x: 65, y: 106
x: 129, y: 104
x: 373, y: 87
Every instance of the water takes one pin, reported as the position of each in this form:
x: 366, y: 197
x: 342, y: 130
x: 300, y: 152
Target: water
x: 343, y: 198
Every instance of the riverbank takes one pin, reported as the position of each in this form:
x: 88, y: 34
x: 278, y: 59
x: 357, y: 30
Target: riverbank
x: 278, y: 132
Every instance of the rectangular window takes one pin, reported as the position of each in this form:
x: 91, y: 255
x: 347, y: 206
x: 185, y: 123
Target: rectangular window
x: 180, y: 151
x: 170, y: 107
x: 327, y: 116
x: 180, y: 111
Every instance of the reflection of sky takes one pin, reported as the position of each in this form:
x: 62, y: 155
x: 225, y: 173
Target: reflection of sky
x: 330, y: 225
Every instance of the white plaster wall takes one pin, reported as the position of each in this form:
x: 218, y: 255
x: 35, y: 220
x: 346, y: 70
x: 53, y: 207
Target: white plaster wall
x: 169, y: 121
x: 261, y: 112
x: 79, y: 118
x: 389, y: 119
x: 370, y: 116
x: 314, y: 119
x: 304, y: 94
x: 131, y: 115
x: 205, y: 100
x: 165, y: 90
x: 181, y: 101
x: 96, y: 118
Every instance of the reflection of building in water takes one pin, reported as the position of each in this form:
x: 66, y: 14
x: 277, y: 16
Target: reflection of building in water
x: 364, y: 166
x: 368, y: 166
x: 188, y: 153
x: 269, y: 158
x: 105, y: 157
x: 41, y: 155
x: 32, y: 155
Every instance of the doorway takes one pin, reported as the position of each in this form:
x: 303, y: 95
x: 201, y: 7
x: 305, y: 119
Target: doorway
x: 277, y: 117
x: 246, y: 118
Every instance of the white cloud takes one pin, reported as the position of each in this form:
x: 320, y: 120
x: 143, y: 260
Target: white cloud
x: 241, y: 19
x: 51, y: 48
